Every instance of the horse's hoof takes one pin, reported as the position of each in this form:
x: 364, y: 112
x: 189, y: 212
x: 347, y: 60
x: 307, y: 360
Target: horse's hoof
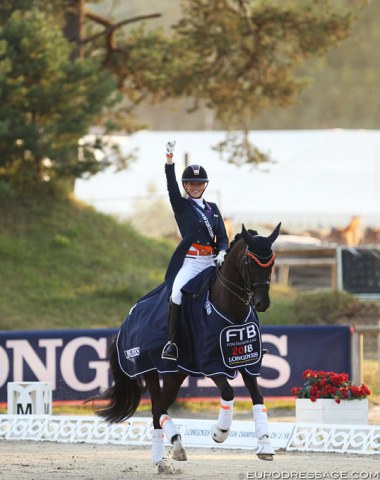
x: 219, y: 435
x: 265, y: 450
x: 179, y: 452
x: 163, y: 468
x: 166, y: 467
x: 266, y: 456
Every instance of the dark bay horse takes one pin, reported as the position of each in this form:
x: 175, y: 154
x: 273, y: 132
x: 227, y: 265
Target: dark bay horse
x: 236, y: 291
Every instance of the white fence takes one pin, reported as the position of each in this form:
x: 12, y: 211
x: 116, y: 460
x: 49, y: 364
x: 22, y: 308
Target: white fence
x: 195, y: 433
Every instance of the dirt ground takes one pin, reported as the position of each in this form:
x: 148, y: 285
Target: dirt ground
x: 57, y: 461
x: 24, y: 460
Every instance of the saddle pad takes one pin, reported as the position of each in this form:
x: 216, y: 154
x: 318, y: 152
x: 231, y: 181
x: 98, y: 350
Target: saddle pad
x: 209, y: 343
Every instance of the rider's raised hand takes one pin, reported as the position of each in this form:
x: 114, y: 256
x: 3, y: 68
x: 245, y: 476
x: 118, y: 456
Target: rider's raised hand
x: 170, y: 148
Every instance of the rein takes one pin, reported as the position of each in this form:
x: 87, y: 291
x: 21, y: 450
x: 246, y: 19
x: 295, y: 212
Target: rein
x: 223, y: 280
x: 248, y: 288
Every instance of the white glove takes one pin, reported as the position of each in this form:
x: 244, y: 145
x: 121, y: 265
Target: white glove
x: 219, y: 259
x: 170, y: 148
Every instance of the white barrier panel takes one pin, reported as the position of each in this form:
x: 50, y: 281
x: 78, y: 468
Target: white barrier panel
x: 29, y: 398
x: 335, y: 438
x: 74, y: 429
x: 363, y: 439
x: 137, y: 431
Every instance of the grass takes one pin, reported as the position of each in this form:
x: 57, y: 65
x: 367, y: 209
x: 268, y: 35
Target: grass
x: 64, y: 265
x: 282, y: 309
x: 372, y: 379
x: 193, y: 408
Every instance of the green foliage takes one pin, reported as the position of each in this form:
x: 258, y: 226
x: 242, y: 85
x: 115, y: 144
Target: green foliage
x: 340, y: 86
x: 330, y: 307
x: 237, y: 58
x: 281, y: 311
x: 63, y: 265
x: 343, y: 91
x: 47, y: 103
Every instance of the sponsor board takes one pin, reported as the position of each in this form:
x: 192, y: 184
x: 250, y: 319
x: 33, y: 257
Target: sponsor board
x: 75, y: 361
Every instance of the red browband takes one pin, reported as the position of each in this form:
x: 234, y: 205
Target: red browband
x: 263, y: 265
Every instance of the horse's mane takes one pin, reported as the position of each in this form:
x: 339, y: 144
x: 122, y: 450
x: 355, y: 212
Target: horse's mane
x: 238, y: 236
x: 209, y: 278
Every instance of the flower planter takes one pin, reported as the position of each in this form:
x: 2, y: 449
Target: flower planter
x: 351, y: 412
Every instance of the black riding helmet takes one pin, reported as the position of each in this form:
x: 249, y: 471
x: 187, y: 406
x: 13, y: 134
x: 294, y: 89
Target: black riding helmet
x: 194, y: 173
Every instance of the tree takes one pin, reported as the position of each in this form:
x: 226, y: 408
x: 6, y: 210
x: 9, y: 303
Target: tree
x: 236, y: 57
x: 344, y: 88
x: 257, y: 67
x: 47, y: 103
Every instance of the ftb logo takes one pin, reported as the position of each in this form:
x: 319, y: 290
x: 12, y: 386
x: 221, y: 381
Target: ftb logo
x: 240, y: 333
x: 241, y: 346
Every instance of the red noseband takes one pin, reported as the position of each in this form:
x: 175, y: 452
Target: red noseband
x: 262, y: 265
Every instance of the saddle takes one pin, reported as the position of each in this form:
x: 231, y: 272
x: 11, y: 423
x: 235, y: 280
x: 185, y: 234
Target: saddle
x: 203, y: 282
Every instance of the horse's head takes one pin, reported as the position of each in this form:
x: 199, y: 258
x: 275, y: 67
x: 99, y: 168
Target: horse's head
x: 257, y: 260
x: 244, y: 278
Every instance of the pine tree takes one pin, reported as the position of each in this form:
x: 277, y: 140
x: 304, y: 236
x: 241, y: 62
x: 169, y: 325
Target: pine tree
x: 47, y: 103
x: 64, y: 69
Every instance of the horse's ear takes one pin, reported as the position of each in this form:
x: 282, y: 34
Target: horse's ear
x: 272, y: 237
x: 246, y: 235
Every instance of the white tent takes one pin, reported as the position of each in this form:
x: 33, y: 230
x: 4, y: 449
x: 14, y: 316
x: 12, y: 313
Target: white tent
x: 321, y: 177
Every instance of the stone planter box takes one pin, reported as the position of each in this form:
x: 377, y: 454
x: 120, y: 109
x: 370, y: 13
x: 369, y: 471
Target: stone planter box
x: 351, y: 412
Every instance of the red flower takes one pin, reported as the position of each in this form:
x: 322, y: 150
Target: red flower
x: 320, y: 384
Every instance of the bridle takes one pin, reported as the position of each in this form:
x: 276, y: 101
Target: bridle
x: 248, y: 288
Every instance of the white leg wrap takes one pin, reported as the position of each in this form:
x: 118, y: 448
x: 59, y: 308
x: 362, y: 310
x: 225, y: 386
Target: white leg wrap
x: 226, y: 414
x: 168, y: 427
x: 158, y: 447
x: 261, y: 421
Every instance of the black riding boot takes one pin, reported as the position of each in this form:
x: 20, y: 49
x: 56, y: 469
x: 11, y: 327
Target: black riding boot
x: 170, y: 350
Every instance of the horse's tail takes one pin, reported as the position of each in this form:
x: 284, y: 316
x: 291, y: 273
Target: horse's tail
x: 123, y: 396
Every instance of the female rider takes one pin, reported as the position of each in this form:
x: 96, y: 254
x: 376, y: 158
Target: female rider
x: 204, y: 238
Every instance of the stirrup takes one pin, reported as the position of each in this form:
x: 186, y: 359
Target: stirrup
x: 170, y: 351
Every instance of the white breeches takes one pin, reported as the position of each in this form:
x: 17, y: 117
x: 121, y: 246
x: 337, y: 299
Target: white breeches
x: 190, y: 268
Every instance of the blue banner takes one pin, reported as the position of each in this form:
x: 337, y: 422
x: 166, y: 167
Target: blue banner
x: 75, y: 361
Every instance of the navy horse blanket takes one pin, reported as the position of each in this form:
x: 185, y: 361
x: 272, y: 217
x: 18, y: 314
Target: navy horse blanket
x: 209, y: 343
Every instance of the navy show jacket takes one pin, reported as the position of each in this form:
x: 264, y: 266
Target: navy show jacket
x: 191, y: 227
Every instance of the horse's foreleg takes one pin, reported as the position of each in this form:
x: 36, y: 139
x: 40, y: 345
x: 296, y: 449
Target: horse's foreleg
x: 221, y: 429
x: 158, y: 448
x: 174, y: 437
x: 170, y: 389
x: 159, y: 458
x: 265, y: 450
